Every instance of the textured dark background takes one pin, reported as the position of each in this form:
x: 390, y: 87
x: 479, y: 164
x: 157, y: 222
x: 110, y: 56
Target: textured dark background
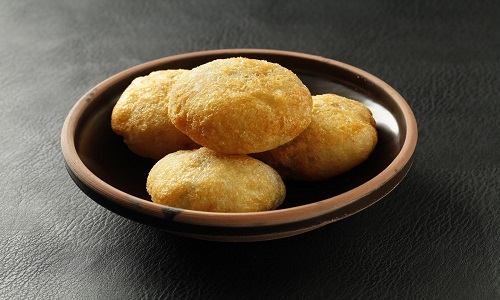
x: 437, y: 236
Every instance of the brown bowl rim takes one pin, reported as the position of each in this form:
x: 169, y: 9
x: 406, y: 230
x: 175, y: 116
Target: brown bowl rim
x: 401, y: 163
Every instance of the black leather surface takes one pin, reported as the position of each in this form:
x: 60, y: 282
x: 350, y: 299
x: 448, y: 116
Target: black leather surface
x: 437, y: 236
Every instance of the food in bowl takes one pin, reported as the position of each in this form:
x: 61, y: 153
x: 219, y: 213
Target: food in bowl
x: 141, y: 116
x: 233, y: 107
x: 207, y: 180
x: 240, y: 105
x: 342, y: 135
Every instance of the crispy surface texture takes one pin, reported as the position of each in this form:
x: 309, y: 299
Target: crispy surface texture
x: 141, y: 116
x: 240, y: 105
x: 342, y: 134
x: 206, y: 180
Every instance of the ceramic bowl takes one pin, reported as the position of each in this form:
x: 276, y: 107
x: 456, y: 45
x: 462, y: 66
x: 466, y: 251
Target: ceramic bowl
x: 103, y: 167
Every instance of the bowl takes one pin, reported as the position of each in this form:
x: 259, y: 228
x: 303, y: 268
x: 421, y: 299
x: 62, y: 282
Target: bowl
x: 103, y: 167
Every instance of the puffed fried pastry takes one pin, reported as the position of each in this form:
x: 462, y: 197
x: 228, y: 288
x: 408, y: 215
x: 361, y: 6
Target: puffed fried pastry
x: 342, y: 134
x: 240, y: 105
x: 141, y: 116
x: 206, y: 180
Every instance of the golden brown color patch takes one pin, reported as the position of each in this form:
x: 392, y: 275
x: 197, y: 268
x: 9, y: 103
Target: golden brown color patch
x: 205, y: 180
x: 341, y: 135
x: 141, y: 116
x: 240, y: 105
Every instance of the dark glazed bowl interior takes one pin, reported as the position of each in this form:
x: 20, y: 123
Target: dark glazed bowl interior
x: 103, y: 166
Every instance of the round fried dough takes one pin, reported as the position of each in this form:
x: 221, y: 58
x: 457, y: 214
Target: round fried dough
x: 206, y: 180
x: 141, y: 116
x: 341, y: 135
x: 240, y: 105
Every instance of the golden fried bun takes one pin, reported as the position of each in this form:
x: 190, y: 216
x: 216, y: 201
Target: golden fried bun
x: 206, y: 180
x: 240, y: 105
x: 341, y: 135
x: 141, y: 116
